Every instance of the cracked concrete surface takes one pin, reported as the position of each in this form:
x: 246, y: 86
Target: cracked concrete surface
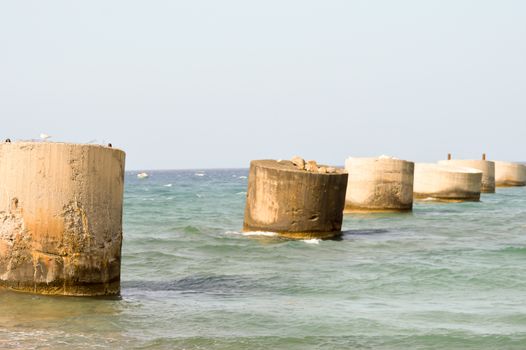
x: 293, y: 202
x: 487, y: 167
x: 60, y: 218
x: 379, y: 184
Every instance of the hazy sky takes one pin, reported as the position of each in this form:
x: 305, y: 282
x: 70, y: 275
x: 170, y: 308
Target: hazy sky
x: 196, y: 84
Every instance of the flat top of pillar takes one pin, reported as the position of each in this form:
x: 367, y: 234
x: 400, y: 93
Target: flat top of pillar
x: 287, y: 165
x: 376, y: 159
x: 460, y: 161
x: 500, y: 162
x: 32, y: 144
x: 446, y: 168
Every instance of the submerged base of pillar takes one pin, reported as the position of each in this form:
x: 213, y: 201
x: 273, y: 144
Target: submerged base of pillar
x: 448, y: 198
x: 361, y: 210
x: 62, y: 288
x: 299, y: 235
x: 511, y: 184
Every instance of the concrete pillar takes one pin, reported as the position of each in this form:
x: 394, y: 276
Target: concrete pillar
x: 487, y: 168
x: 295, y: 202
x: 379, y: 184
x: 447, y: 183
x: 510, y: 174
x: 61, y: 215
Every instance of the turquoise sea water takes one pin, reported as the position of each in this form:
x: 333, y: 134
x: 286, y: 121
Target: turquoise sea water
x: 447, y: 276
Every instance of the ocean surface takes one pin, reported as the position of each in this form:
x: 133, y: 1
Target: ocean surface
x: 447, y: 276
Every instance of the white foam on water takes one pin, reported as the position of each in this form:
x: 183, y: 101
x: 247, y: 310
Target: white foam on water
x: 199, y: 174
x: 241, y: 193
x: 312, y: 241
x: 168, y: 185
x: 242, y: 177
x: 255, y: 233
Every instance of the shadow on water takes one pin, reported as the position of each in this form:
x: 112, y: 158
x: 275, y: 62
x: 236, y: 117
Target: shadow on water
x: 364, y: 232
x: 215, y: 285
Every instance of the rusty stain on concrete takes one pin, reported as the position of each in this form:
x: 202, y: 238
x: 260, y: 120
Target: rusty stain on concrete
x: 285, y: 197
x: 61, y: 218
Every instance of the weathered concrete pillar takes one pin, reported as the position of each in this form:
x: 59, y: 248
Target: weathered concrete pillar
x: 447, y: 183
x: 296, y: 201
x: 61, y: 218
x: 379, y: 184
x: 487, y: 168
x: 510, y: 174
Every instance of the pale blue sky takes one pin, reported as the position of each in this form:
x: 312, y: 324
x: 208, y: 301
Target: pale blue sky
x: 196, y: 84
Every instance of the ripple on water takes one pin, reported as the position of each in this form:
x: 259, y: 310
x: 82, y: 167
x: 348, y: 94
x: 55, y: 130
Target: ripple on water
x: 447, y: 276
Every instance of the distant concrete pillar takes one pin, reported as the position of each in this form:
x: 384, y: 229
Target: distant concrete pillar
x: 447, y: 183
x: 295, y: 203
x: 379, y: 184
x: 61, y: 215
x: 487, y: 168
x: 510, y: 174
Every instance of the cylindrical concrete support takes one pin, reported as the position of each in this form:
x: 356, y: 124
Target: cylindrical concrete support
x: 487, y: 168
x: 295, y: 203
x: 61, y: 218
x: 447, y: 183
x: 510, y: 174
x: 379, y: 184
